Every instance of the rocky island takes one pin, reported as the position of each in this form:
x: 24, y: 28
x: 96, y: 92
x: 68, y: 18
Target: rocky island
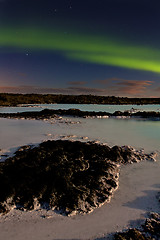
x: 51, y: 113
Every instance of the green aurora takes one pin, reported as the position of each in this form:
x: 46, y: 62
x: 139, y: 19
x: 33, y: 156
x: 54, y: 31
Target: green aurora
x: 86, y: 48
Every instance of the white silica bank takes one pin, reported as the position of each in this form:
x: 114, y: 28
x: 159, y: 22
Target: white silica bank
x: 138, y: 183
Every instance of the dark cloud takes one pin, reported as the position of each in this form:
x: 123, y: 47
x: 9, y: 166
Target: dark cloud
x: 32, y: 89
x: 120, y: 88
x: 106, y: 81
x: 76, y: 83
x: 132, y: 87
x: 43, y: 90
x: 157, y: 89
x: 21, y: 74
x: 87, y: 90
x: 135, y: 83
x: 123, y: 87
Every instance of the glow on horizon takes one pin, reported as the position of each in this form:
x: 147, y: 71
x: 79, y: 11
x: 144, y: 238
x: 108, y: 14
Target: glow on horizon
x: 91, y: 49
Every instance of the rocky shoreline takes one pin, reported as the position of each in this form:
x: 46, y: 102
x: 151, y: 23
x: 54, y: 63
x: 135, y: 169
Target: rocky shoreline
x: 150, y: 230
x: 50, y: 113
x: 71, y: 177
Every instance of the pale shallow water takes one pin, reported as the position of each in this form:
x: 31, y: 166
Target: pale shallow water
x: 139, y: 183
x: 138, y: 133
x: 82, y: 107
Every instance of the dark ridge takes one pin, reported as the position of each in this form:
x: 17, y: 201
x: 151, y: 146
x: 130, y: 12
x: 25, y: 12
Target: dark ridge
x: 72, y: 177
x: 9, y: 99
x: 48, y: 113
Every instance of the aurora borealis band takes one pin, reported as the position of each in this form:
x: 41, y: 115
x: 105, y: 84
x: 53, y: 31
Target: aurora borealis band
x: 85, y: 48
x: 54, y: 48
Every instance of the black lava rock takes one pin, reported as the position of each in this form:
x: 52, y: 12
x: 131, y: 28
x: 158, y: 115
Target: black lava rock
x: 70, y: 176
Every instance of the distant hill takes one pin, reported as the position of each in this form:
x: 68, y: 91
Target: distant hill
x: 8, y: 99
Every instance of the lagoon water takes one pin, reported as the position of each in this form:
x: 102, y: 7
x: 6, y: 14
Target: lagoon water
x: 82, y: 107
x: 139, y: 133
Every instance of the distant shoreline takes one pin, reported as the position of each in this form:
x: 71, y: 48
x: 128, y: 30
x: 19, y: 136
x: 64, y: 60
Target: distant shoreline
x: 51, y: 113
x: 10, y: 99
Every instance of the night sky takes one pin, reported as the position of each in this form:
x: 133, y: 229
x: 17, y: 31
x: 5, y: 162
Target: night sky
x: 101, y: 47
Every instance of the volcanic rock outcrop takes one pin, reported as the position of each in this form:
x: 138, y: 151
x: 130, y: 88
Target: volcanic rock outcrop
x: 149, y: 231
x: 72, y: 177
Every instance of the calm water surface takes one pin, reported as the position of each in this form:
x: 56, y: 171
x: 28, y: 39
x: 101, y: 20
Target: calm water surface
x: 138, y: 133
x: 83, y: 107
